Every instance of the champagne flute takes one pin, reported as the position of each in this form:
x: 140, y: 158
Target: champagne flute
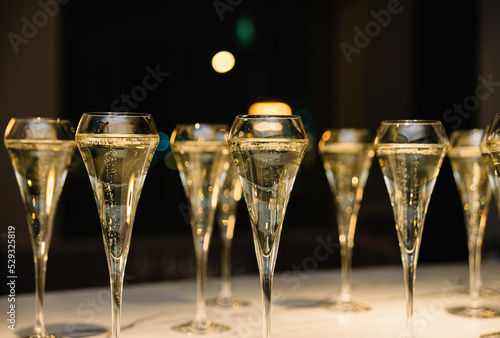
x: 40, y: 150
x: 117, y: 149
x: 229, y: 196
x: 200, y: 151
x: 410, y: 153
x: 267, y: 151
x: 471, y: 177
x: 347, y: 156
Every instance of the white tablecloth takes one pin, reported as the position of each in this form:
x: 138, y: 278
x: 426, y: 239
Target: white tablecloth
x: 149, y: 310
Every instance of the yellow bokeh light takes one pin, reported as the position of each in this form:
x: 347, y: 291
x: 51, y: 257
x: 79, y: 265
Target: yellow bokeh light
x: 326, y: 135
x: 223, y: 62
x: 268, y: 126
x: 270, y: 108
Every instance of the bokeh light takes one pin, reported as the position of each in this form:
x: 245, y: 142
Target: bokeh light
x: 270, y: 108
x: 164, y: 149
x: 223, y: 62
x: 245, y: 31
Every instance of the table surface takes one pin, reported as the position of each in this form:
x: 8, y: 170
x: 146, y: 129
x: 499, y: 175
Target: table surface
x: 150, y: 310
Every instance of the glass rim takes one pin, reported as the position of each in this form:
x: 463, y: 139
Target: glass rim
x: 124, y: 114
x: 40, y: 119
x: 411, y: 121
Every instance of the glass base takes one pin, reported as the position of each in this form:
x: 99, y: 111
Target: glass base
x: 201, y: 328
x: 482, y: 312
x: 227, y: 302
x: 488, y: 293
x: 483, y: 292
x: 38, y: 336
x: 345, y: 306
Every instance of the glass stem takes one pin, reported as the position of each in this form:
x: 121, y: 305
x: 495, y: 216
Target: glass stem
x: 40, y: 260
x: 201, y: 279
x: 409, y: 266
x: 474, y: 271
x: 225, y: 291
x: 266, y: 280
x: 345, y: 270
x: 116, y: 273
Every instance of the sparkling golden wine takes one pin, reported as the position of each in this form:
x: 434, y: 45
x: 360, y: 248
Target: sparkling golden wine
x: 117, y: 166
x: 267, y: 169
x: 41, y: 167
x: 410, y: 172
x: 347, y: 166
x: 472, y: 181
x: 200, y: 167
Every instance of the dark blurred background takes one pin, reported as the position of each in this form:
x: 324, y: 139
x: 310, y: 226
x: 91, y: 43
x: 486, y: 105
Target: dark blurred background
x: 336, y: 63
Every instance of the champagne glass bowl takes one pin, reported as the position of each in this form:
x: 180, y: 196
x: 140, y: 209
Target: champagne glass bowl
x: 40, y: 150
x: 117, y: 149
x: 410, y: 154
x: 267, y: 151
